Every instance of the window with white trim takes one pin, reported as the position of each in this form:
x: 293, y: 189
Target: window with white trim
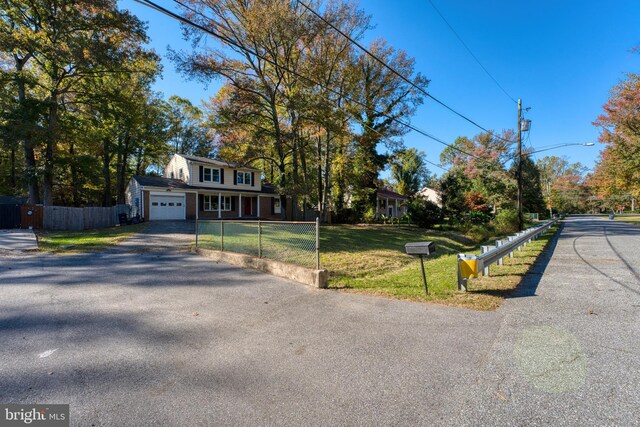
x: 211, y: 174
x: 244, y: 178
x: 180, y: 174
x: 276, y: 206
x: 210, y: 203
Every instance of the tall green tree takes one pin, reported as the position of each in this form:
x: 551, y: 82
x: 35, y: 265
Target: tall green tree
x: 409, y: 171
x: 382, y: 97
x: 54, y: 46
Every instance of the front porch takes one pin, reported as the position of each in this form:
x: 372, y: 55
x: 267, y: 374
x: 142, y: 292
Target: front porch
x: 390, y: 204
x: 237, y: 205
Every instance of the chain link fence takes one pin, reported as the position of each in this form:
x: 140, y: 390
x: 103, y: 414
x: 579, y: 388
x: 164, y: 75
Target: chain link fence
x: 291, y: 242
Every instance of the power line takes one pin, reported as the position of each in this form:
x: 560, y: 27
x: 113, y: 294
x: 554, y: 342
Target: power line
x: 173, y: 15
x: 471, y: 53
x: 384, y: 137
x: 388, y: 67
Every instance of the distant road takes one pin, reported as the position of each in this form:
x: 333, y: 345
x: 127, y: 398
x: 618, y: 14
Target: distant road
x: 570, y: 355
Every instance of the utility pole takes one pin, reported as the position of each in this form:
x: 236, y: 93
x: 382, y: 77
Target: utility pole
x: 519, y: 170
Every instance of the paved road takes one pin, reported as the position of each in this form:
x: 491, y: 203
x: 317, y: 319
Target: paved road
x: 152, y: 337
x: 571, y: 354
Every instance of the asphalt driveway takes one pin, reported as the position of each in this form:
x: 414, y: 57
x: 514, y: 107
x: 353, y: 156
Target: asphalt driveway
x: 170, y: 338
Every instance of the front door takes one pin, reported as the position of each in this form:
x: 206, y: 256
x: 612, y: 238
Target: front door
x: 246, y: 211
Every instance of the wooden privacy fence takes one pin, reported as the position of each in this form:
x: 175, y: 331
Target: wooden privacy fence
x: 63, y: 218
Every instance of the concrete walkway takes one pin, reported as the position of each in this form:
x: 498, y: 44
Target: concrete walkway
x: 18, y: 240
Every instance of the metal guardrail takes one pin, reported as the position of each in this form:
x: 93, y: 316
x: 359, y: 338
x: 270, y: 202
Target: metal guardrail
x: 473, y: 265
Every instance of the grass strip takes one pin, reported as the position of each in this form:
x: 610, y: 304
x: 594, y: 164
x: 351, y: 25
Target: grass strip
x: 371, y: 260
x: 87, y: 240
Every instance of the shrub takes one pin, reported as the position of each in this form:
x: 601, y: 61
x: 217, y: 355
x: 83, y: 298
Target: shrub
x: 424, y: 213
x: 477, y: 217
x: 369, y: 215
x: 480, y: 232
x: 506, y: 221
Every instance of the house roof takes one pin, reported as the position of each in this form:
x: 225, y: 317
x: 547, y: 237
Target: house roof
x: 383, y: 192
x: 158, y: 181
x: 161, y: 182
x: 216, y: 162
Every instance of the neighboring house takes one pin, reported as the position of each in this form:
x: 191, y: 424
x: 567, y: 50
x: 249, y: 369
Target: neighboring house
x: 200, y: 188
x: 431, y: 195
x: 391, y: 204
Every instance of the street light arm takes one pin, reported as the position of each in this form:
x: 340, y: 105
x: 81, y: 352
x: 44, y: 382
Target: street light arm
x: 587, y: 144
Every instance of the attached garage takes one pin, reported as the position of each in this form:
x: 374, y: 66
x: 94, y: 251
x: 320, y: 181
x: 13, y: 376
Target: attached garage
x: 163, y: 206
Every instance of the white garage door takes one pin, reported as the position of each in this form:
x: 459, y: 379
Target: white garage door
x: 167, y: 206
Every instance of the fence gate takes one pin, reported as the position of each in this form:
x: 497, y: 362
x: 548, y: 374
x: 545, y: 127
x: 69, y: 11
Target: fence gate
x: 9, y: 216
x: 32, y: 216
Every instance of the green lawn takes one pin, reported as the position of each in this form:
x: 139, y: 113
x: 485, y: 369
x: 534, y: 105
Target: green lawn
x: 371, y: 259
x: 633, y: 219
x: 84, y: 241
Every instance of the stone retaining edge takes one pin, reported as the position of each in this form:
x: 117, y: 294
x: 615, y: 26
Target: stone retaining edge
x: 297, y: 273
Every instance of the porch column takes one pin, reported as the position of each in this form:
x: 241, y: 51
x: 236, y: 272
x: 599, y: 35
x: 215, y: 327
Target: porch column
x: 258, y: 209
x: 219, y: 205
x: 396, y: 213
x: 239, y: 205
x: 197, y: 204
x: 386, y: 207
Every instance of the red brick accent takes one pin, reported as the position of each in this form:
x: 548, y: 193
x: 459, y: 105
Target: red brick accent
x: 191, y: 205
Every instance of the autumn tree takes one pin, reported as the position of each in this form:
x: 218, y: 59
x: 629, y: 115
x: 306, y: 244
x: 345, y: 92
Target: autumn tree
x: 53, y: 46
x: 563, y: 184
x: 617, y: 172
x: 383, y: 98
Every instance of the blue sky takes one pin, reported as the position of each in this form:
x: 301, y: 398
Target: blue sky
x: 561, y: 57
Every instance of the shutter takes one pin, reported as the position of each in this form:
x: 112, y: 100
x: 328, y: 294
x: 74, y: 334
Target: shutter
x: 253, y: 177
x: 233, y: 203
x: 235, y: 177
x: 273, y: 205
x: 201, y: 173
x: 221, y: 176
x: 201, y: 201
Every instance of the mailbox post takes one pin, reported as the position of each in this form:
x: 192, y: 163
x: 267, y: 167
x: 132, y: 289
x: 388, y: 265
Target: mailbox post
x: 421, y: 249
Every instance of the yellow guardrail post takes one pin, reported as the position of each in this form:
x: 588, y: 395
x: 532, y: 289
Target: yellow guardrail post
x: 467, y: 267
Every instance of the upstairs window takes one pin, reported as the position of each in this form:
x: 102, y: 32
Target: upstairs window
x: 211, y: 175
x: 244, y: 178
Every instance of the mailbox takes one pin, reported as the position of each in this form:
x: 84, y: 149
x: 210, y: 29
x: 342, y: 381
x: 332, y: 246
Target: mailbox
x: 420, y: 248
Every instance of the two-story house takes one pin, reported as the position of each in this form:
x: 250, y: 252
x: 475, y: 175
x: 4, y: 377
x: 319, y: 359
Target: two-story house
x: 200, y: 188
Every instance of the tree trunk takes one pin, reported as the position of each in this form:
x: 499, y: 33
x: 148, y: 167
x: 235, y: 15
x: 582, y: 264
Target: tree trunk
x: 327, y: 182
x: 47, y: 184
x: 31, y: 175
x: 13, y: 169
x: 123, y: 160
x: 75, y: 182
x: 106, y: 173
x: 319, y: 172
x: 139, y: 161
